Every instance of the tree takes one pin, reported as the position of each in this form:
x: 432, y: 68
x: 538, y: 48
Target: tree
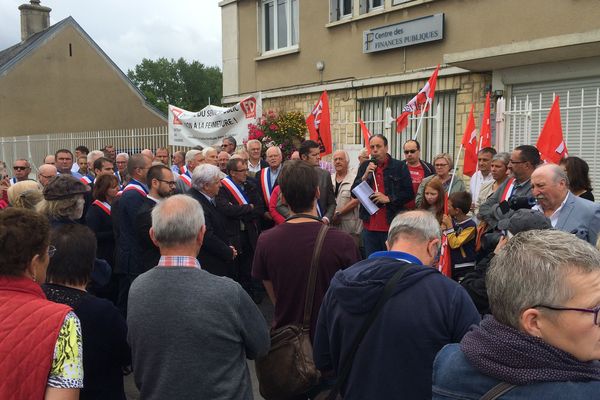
x: 182, y: 84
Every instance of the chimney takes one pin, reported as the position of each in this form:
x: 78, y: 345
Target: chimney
x: 34, y: 18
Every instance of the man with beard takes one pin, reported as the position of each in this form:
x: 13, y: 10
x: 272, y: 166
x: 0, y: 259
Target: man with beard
x: 161, y: 184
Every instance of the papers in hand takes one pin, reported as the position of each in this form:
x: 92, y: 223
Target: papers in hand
x: 363, y: 193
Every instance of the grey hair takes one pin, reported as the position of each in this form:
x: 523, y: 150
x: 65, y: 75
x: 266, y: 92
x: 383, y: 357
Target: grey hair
x: 417, y: 225
x: 69, y: 208
x: 189, y: 156
x: 136, y: 161
x: 558, y: 173
x: 276, y: 147
x: 531, y: 270
x: 253, y: 141
x: 205, y: 174
x: 177, y: 220
x: 94, y: 155
x: 207, y: 150
x: 346, y: 155
x: 363, y: 152
x: 126, y: 155
x: 504, y: 157
x: 446, y: 157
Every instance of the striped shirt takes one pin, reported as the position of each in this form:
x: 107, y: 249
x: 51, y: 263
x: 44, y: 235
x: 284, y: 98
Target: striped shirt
x: 178, y: 261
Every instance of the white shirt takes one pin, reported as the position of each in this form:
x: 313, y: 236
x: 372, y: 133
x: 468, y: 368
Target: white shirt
x: 254, y: 168
x: 555, y: 214
x: 477, y: 181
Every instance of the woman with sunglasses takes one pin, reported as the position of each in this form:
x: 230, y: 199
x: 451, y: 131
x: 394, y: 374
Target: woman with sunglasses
x: 40, y: 341
x: 542, y: 340
x: 443, y: 165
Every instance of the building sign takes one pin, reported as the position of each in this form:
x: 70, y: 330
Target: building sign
x: 417, y: 31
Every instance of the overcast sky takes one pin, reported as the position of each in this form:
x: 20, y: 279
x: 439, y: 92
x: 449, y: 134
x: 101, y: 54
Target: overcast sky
x: 131, y: 30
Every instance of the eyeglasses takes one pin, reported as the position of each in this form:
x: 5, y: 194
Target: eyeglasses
x: 19, y: 168
x: 594, y: 311
x: 516, y: 162
x: 410, y: 151
x: 51, y: 250
x: 440, y: 165
x: 47, y: 176
x: 170, y: 183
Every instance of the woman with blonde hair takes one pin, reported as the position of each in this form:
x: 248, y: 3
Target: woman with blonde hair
x: 443, y: 165
x: 25, y: 194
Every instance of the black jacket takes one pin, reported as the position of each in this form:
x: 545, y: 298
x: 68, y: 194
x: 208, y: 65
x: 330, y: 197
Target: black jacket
x: 215, y: 255
x: 397, y: 186
x: 148, y: 253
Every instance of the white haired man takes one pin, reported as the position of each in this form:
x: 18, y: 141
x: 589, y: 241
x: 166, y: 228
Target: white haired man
x: 425, y: 312
x: 45, y: 173
x: 217, y: 253
x: 567, y: 212
x: 211, y: 156
x: 267, y: 180
x: 193, y: 158
x: 167, y: 332
x: 346, y: 212
x: 255, y: 162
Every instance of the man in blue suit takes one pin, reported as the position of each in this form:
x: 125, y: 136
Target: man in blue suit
x: 567, y: 212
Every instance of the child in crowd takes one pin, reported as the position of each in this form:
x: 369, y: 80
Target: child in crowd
x: 434, y: 198
x: 461, y: 232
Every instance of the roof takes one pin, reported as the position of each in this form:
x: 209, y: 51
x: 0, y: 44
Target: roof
x: 11, y: 56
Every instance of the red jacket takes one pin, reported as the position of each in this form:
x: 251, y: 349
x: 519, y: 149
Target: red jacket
x: 29, y: 327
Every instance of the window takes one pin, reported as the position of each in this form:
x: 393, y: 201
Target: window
x: 280, y: 24
x: 340, y: 9
x: 375, y: 4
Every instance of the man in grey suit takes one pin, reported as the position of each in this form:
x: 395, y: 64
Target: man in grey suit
x: 310, y: 153
x: 567, y: 212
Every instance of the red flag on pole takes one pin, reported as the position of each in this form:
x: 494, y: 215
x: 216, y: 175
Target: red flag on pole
x: 469, y: 143
x: 418, y: 104
x: 318, y: 125
x: 366, y: 134
x: 550, y: 144
x: 445, y: 262
x: 485, y: 133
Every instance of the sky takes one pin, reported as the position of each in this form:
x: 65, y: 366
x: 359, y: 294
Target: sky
x: 130, y: 30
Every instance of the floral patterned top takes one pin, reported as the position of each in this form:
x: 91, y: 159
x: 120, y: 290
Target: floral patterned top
x: 67, y: 365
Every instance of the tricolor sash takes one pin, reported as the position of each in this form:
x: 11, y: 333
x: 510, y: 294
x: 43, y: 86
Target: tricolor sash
x: 134, y: 185
x: 12, y: 181
x: 510, y: 185
x: 104, y: 206
x: 265, y: 183
x: 118, y: 175
x: 85, y: 180
x: 319, y: 213
x: 186, y: 177
x: 234, y: 190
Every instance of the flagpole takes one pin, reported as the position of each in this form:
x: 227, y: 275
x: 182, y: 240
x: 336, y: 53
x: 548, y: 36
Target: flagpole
x: 427, y: 102
x: 455, y: 167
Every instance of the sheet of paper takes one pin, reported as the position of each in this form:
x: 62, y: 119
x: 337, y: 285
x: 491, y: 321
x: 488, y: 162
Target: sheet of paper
x: 363, y: 193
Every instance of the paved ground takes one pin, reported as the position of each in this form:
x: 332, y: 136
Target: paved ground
x: 266, y: 307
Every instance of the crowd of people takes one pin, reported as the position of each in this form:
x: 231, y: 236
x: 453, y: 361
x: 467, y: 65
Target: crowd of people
x: 155, y: 263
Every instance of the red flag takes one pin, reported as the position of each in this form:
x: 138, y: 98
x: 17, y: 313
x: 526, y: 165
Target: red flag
x: 366, y: 134
x: 485, y: 133
x: 550, y: 144
x: 445, y: 262
x: 318, y: 125
x: 469, y: 143
x: 419, y: 103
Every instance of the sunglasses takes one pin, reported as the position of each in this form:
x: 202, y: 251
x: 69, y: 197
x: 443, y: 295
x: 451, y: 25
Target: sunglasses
x: 17, y: 168
x: 410, y: 151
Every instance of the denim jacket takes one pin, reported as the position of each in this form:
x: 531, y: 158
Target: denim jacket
x: 455, y: 378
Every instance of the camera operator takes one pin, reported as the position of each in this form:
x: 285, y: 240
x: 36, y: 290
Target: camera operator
x: 515, y: 193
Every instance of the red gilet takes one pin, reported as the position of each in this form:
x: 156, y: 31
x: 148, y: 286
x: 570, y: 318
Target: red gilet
x: 29, y: 327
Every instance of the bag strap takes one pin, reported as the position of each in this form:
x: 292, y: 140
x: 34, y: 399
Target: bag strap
x: 497, y: 391
x: 312, y: 277
x: 387, y: 293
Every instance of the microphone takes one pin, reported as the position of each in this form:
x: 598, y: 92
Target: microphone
x: 373, y: 160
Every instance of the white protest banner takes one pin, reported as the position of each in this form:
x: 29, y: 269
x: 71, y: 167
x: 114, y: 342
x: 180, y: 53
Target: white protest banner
x: 210, y: 125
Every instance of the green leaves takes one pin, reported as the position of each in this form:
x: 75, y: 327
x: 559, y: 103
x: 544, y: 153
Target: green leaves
x: 182, y: 84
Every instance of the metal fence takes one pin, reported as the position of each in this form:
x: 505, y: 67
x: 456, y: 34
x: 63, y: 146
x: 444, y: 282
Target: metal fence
x: 580, y: 114
x: 36, y: 147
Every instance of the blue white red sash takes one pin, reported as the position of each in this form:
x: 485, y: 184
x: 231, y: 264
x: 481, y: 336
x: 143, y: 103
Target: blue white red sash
x: 12, y: 181
x: 85, y: 180
x: 265, y: 183
x: 186, y: 177
x: 510, y: 185
x: 118, y: 175
x: 319, y: 213
x: 134, y: 185
x: 234, y: 190
x: 104, y: 206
